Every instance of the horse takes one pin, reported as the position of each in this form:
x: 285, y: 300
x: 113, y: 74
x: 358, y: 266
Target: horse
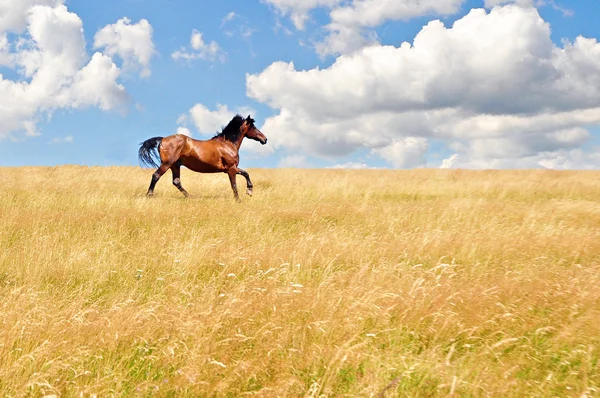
x: 220, y: 154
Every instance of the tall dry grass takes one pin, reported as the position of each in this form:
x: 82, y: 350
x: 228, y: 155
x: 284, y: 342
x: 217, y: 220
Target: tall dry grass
x: 325, y: 283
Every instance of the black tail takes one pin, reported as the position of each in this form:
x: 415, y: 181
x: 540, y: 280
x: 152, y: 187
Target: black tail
x: 148, y: 154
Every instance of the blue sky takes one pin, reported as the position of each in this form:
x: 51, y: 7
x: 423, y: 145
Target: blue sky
x: 496, y: 84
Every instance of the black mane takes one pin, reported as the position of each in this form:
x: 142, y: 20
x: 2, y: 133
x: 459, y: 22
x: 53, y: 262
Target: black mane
x: 231, y: 132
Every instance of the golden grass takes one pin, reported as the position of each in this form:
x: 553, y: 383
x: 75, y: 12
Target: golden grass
x: 325, y: 283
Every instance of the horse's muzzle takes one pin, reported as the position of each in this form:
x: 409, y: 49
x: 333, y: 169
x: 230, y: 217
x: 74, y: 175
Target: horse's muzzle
x: 264, y: 142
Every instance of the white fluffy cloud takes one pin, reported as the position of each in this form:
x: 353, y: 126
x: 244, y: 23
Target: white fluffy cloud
x: 184, y: 131
x: 448, y: 163
x: 346, y: 31
x: 131, y: 42
x: 530, y: 3
x: 200, y: 50
x: 375, y: 12
x: 209, y: 122
x: 493, y: 87
x: 359, y: 13
x: 13, y: 13
x: 52, y: 64
x: 568, y: 160
x: 95, y: 85
x: 352, y: 20
x: 405, y: 153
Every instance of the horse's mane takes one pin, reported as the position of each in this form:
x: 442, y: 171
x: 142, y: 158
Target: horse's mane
x: 231, y: 132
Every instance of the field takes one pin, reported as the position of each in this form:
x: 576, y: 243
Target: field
x: 325, y: 283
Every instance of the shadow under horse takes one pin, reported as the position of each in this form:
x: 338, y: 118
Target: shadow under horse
x: 220, y: 154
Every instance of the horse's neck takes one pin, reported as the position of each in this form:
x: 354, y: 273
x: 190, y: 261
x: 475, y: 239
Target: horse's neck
x: 238, y: 143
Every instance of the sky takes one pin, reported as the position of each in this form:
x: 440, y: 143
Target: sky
x: 332, y: 83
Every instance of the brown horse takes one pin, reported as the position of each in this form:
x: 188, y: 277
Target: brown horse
x: 220, y: 154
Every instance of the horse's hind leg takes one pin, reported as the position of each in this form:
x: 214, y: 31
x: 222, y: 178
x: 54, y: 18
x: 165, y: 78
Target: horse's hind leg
x: 249, y: 185
x: 176, y: 170
x: 155, y: 177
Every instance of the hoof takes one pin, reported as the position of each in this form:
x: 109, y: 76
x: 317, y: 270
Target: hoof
x: 149, y: 194
x: 249, y: 192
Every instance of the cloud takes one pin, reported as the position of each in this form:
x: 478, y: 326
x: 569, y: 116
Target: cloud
x: 530, y: 3
x: 13, y: 13
x: 52, y: 66
x: 229, y: 17
x: 351, y: 22
x: 209, y: 121
x: 6, y: 58
x: 405, y: 153
x: 96, y: 85
x: 448, y: 163
x: 522, y: 3
x: 131, y: 42
x: 375, y: 12
x: 352, y: 166
x: 293, y: 161
x: 493, y: 87
x: 299, y: 9
x: 343, y: 39
x: 184, y: 131
x: 200, y: 50
x: 575, y: 159
x: 240, y: 28
x: 569, y: 160
x: 346, y: 32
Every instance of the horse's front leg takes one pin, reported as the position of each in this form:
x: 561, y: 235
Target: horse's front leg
x: 249, y: 185
x: 232, y: 172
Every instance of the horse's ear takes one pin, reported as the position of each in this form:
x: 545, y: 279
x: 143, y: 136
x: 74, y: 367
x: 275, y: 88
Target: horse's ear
x: 248, y: 118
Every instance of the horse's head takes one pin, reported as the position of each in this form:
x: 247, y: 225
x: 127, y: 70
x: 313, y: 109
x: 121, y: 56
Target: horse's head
x: 250, y: 131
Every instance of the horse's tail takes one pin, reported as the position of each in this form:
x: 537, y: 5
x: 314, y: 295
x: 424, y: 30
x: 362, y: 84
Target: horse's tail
x: 148, y: 154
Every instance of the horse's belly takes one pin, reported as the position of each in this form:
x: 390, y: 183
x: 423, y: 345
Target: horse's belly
x: 200, y: 166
